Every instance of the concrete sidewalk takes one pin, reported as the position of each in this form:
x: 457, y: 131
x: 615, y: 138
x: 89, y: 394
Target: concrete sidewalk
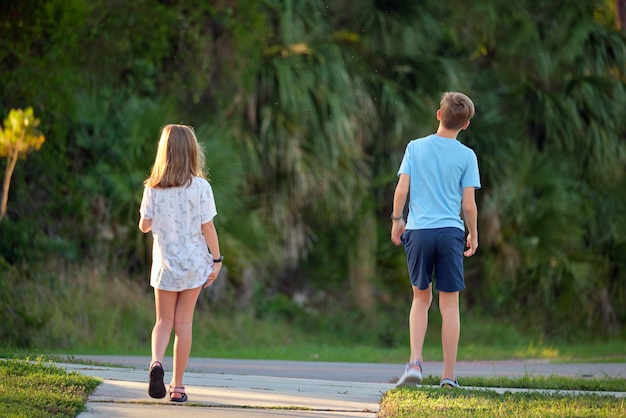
x: 124, y: 393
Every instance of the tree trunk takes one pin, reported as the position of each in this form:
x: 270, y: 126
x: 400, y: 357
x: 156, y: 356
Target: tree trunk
x: 362, y: 264
x: 11, y: 161
x: 620, y: 14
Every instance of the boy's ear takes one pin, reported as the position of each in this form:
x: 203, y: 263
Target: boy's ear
x: 439, y: 114
x: 466, y: 125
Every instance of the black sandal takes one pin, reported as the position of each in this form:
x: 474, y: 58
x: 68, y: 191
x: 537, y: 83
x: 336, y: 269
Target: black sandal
x: 156, y: 388
x: 181, y: 391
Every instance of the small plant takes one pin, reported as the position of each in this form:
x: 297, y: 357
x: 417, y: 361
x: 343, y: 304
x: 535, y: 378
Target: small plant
x: 19, y: 137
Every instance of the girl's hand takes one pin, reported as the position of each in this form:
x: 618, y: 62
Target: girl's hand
x: 217, y: 267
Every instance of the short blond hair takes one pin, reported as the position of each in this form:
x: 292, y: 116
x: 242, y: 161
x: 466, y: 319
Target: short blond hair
x: 456, y: 109
x: 179, y: 158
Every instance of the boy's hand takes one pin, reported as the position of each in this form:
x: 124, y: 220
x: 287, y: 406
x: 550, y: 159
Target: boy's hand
x: 472, y: 246
x: 397, y: 229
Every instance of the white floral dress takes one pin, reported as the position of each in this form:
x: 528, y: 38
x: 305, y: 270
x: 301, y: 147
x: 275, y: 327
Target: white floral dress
x: 180, y: 256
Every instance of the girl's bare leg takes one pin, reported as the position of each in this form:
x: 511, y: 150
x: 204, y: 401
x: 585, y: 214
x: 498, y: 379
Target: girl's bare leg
x: 183, y: 320
x: 165, y: 303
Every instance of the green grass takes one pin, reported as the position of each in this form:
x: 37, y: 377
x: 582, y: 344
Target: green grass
x: 89, y: 310
x: 435, y: 402
x: 334, y: 338
x: 604, y: 384
x: 35, y: 389
x: 243, y: 336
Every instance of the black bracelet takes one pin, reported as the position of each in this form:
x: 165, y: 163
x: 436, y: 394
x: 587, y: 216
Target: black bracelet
x: 393, y: 218
x: 218, y: 260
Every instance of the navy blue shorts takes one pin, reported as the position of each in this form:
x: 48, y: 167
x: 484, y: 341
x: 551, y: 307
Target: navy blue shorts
x: 438, y: 250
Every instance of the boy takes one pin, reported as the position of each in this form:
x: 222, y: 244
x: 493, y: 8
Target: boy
x: 441, y: 175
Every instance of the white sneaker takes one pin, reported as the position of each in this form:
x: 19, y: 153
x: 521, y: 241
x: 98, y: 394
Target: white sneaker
x: 449, y: 383
x: 412, y: 375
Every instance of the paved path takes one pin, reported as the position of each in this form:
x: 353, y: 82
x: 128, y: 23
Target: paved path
x: 268, y: 388
x: 123, y: 393
x: 372, y: 373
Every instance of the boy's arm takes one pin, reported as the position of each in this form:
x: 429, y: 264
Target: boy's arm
x: 470, y: 214
x: 399, y: 200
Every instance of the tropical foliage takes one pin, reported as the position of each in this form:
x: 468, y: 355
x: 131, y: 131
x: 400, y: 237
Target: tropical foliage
x: 304, y: 108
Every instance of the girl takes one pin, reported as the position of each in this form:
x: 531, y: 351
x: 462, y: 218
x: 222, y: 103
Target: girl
x: 178, y: 207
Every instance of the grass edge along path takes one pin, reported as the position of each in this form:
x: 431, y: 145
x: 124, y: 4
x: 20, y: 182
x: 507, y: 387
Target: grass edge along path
x: 553, y: 382
x: 408, y: 402
x: 37, y: 389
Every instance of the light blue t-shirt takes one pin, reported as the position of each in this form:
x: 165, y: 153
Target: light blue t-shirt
x: 439, y: 169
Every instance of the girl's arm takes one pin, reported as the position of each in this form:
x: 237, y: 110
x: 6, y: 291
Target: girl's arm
x: 210, y: 236
x: 145, y: 225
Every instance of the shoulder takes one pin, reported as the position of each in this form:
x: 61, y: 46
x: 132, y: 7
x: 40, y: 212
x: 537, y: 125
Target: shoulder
x: 465, y: 149
x: 422, y: 139
x: 418, y: 141
x: 469, y: 156
x: 202, y: 184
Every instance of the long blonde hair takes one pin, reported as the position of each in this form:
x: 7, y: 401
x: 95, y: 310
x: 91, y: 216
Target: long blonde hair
x: 179, y: 158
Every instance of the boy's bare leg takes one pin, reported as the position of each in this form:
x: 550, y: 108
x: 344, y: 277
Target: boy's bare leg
x: 450, y: 331
x: 418, y: 320
x: 183, y: 321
